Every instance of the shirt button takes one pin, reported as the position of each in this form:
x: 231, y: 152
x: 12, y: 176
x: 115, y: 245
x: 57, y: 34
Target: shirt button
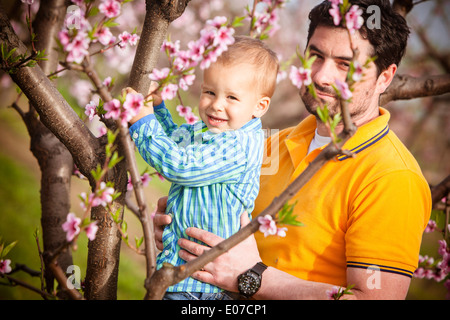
x: 166, y: 252
x: 135, y: 135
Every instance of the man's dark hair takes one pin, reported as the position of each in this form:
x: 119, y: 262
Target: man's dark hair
x: 388, y: 42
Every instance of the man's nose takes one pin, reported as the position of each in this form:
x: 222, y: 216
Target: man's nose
x: 324, y: 73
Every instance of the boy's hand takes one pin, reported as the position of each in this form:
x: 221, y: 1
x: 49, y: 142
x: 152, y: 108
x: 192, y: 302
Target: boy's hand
x: 144, y: 111
x: 156, y: 94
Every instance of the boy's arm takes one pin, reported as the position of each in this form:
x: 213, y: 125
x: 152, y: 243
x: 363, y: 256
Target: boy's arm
x: 222, y: 159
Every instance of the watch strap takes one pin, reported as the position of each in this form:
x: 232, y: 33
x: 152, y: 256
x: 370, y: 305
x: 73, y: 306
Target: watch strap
x: 259, y: 268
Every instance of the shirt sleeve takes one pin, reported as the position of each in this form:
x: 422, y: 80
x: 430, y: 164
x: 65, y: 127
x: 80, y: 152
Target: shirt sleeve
x: 386, y: 223
x: 165, y: 118
x: 192, y: 161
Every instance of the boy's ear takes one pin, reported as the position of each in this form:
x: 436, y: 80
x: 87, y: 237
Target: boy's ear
x: 261, y: 107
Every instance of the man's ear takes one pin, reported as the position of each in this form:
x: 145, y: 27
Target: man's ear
x: 261, y: 107
x: 385, y: 78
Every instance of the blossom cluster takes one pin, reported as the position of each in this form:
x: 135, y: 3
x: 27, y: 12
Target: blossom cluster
x: 352, y: 18
x: 5, y: 266
x: 214, y: 39
x: 76, y: 41
x: 268, y: 226
x: 265, y: 21
x: 145, y: 179
x: 73, y: 225
x: 124, y: 111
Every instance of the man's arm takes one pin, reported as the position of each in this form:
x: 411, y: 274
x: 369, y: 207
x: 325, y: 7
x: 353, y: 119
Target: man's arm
x: 279, y: 285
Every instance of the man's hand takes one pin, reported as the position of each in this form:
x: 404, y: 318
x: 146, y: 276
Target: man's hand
x: 160, y: 220
x: 224, y: 270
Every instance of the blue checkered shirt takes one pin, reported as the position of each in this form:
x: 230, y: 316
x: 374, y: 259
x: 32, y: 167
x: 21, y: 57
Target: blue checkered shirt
x: 215, y: 178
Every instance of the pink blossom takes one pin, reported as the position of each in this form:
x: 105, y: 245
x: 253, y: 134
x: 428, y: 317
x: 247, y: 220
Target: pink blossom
x: 196, y: 50
x: 145, y: 178
x: 281, y: 232
x: 358, y: 72
x: 183, y: 110
x: 334, y: 292
x: 133, y: 102
x: 171, y: 47
x: 5, y: 266
x: 335, y: 13
x: 129, y: 184
x: 103, y: 196
x: 190, y: 118
x: 91, y: 230
x: 184, y: 61
x: 104, y: 36
x: 102, y: 131
x: 110, y: 8
x: 125, y: 116
x: 91, y: 110
x: 112, y: 109
x: 224, y: 37
x: 353, y: 18
x: 267, y: 225
x: 442, y: 247
x: 78, y: 48
x: 132, y: 41
x: 211, y: 57
x: 431, y: 226
x: 186, y: 81
x: 64, y: 37
x: 343, y: 89
x: 300, y: 76
x: 160, y: 176
x: 71, y: 226
x: 158, y: 75
x: 336, y: 2
x: 217, y: 22
x: 107, y: 82
x: 169, y: 91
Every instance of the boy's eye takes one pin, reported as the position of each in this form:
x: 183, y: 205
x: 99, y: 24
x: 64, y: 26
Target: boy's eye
x: 232, y: 98
x: 209, y: 92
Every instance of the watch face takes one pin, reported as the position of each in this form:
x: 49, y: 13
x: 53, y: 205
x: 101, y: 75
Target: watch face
x: 249, y: 283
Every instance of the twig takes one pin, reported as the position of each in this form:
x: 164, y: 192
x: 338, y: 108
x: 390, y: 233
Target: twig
x: 27, y: 286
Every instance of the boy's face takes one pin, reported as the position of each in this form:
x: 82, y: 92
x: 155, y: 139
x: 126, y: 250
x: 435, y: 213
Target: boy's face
x: 230, y: 97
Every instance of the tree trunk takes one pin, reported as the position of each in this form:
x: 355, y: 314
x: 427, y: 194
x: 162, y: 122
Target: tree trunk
x: 54, y: 159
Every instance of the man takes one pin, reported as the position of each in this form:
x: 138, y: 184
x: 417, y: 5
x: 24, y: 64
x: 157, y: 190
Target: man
x: 364, y: 216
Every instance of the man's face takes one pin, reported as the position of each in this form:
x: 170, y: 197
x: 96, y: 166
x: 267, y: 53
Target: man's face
x: 331, y: 46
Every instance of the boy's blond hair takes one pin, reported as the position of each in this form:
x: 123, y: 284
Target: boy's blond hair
x: 255, y: 52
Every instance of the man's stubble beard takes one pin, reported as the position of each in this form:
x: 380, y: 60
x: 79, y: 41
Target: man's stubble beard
x: 334, y: 107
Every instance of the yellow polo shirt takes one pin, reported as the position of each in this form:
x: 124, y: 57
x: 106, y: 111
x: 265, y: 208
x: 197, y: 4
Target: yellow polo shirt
x: 357, y: 212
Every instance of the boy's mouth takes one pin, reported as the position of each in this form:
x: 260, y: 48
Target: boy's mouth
x: 216, y: 121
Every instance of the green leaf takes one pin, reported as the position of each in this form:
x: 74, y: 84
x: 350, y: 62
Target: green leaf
x: 287, y: 216
x: 138, y: 241
x: 237, y: 22
x: 7, y: 249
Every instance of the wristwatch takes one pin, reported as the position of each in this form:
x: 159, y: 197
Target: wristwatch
x: 250, y: 281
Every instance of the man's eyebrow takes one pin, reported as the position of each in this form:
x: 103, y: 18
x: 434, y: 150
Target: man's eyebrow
x: 314, y: 48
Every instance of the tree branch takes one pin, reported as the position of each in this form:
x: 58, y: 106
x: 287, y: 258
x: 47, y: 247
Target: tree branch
x: 408, y: 87
x: 55, y: 113
x: 440, y: 190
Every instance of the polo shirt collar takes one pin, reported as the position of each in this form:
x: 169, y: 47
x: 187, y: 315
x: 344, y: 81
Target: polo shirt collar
x: 298, y: 140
